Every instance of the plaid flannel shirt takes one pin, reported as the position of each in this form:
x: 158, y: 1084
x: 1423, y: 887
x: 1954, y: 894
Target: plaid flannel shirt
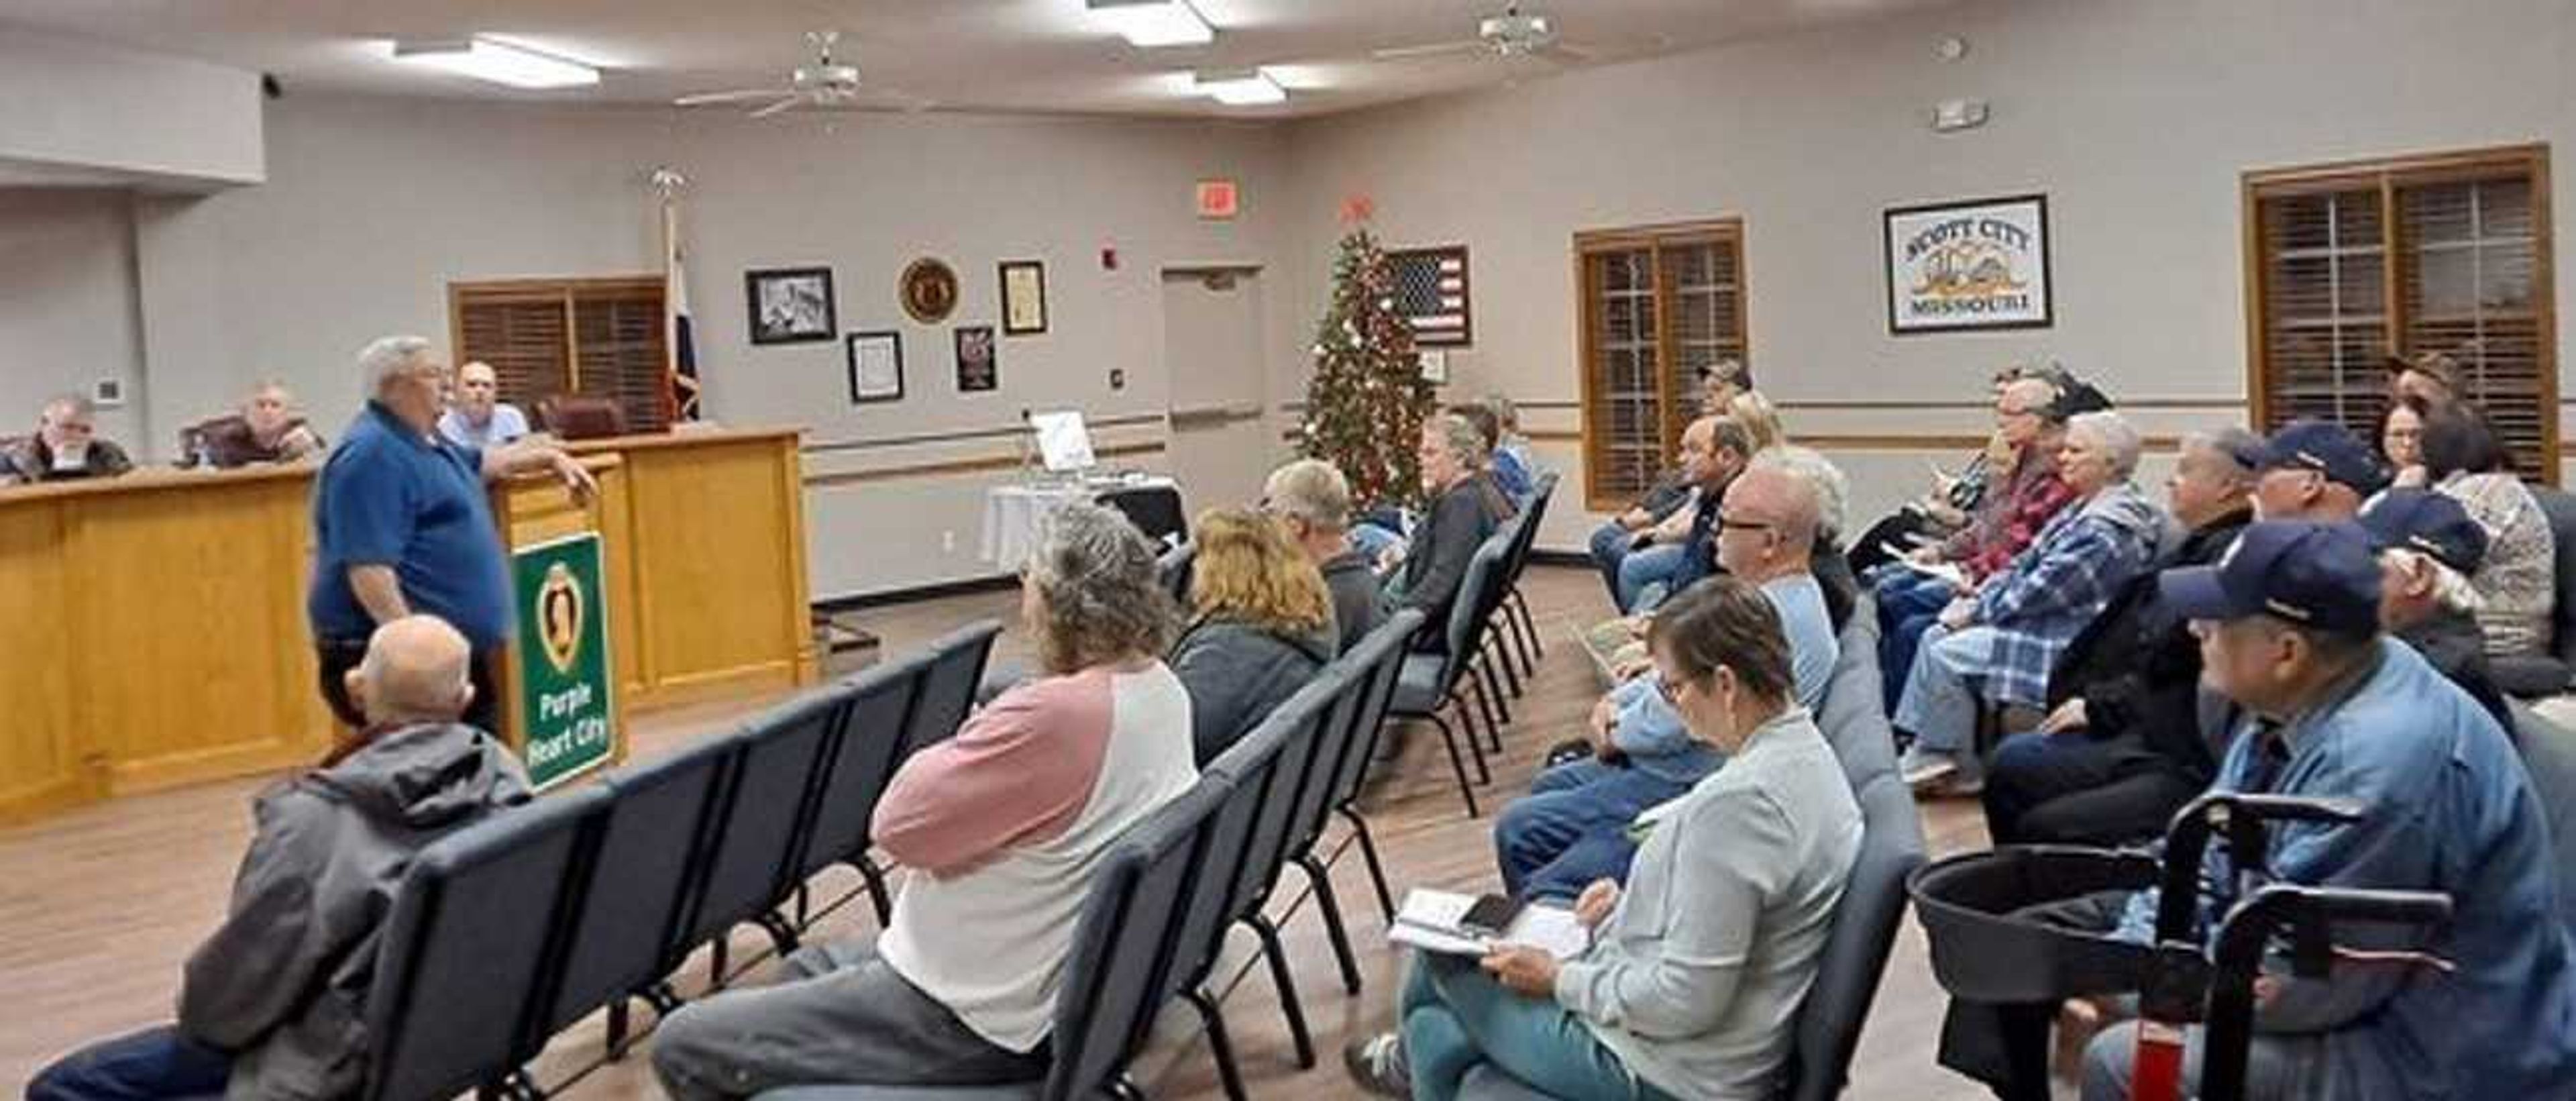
x: 2009, y: 522
x: 2053, y: 589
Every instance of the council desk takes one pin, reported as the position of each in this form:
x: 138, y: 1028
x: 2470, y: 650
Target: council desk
x: 152, y: 627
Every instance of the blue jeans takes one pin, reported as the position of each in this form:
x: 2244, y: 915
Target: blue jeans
x: 1940, y: 703
x: 1609, y: 549
x: 1453, y: 1016
x: 1909, y: 603
x: 1572, y: 828
x: 154, y: 1063
x: 1644, y: 569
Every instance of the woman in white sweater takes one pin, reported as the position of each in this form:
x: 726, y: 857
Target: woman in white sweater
x: 1696, y: 971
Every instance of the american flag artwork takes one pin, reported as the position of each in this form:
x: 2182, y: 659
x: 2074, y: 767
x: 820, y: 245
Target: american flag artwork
x: 1431, y: 295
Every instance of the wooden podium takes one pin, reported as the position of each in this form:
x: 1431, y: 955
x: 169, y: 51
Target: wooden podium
x: 152, y: 627
x: 537, y: 515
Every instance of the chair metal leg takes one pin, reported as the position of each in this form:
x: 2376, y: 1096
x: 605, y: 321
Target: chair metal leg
x: 1277, y: 954
x: 1322, y: 878
x: 716, y: 959
x: 782, y: 935
x: 1457, y: 764
x: 1502, y: 705
x: 1220, y: 1046
x: 1368, y: 853
x: 1502, y: 639
x: 1485, y: 706
x: 617, y: 1025
x: 1457, y: 705
x: 878, y: 896
x: 1125, y: 1089
x: 1525, y: 630
x: 804, y: 895
x: 1529, y: 624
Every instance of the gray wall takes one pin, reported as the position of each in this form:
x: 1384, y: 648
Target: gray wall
x: 80, y: 110
x: 67, y: 303
x: 2136, y: 118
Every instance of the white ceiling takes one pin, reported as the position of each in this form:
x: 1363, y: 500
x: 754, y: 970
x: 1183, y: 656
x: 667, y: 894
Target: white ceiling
x: 987, y: 55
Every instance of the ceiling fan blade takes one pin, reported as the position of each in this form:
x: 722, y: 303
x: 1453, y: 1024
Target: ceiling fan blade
x: 739, y: 95
x: 1442, y: 49
x: 786, y: 104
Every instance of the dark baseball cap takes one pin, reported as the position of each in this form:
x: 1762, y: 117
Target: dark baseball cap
x: 2443, y: 368
x: 2328, y: 450
x: 2314, y: 575
x: 2426, y: 522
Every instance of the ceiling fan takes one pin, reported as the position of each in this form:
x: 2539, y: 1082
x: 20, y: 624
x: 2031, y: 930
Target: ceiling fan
x: 822, y: 83
x: 1510, y: 34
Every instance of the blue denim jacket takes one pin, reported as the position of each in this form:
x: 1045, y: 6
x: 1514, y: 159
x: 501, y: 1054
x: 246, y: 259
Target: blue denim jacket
x: 2451, y: 809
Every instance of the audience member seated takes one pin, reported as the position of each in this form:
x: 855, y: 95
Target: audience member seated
x: 267, y: 429
x: 1829, y: 562
x: 2000, y: 643
x: 1466, y: 507
x: 2338, y: 713
x: 273, y: 1004
x: 1696, y: 971
x: 2518, y: 585
x: 2289, y: 630
x: 2428, y: 377
x: 2122, y: 748
x: 2315, y: 471
x: 1671, y: 490
x: 1511, y: 449
x: 2014, y: 510
x: 1943, y: 510
x: 1669, y: 556
x: 1506, y: 470
x: 1001, y: 828
x: 1260, y: 626
x: 1760, y: 420
x: 2429, y: 547
x: 1573, y: 828
x: 65, y: 446
x: 476, y: 416
x: 1312, y: 500
x: 2401, y: 441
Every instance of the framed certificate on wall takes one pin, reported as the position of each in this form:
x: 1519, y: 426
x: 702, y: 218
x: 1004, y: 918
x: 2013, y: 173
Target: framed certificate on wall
x: 1024, y: 304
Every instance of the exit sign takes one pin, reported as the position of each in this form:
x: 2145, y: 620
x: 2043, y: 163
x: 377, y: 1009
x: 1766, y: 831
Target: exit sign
x: 1219, y: 199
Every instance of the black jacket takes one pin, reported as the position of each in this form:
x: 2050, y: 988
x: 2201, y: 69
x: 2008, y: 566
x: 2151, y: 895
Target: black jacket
x: 2137, y: 666
x: 1236, y: 673
x: 1443, y: 544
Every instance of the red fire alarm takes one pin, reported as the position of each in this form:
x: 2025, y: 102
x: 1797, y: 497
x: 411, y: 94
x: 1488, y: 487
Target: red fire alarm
x: 1219, y: 199
x: 1109, y: 258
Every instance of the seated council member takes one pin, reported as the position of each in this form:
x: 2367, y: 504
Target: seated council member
x: 1003, y: 826
x: 65, y: 446
x: 266, y: 429
x: 476, y: 416
x: 1691, y: 986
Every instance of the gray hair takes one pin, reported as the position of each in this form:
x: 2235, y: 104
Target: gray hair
x: 1812, y: 467
x: 1462, y: 438
x: 2450, y: 590
x: 61, y: 405
x: 2113, y: 432
x: 1310, y: 490
x: 1504, y: 411
x: 2241, y: 449
x: 1103, y: 598
x: 388, y: 356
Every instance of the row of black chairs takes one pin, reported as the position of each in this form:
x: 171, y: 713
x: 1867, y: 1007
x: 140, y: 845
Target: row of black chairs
x: 507, y: 932
x: 1154, y: 928
x: 1489, y: 628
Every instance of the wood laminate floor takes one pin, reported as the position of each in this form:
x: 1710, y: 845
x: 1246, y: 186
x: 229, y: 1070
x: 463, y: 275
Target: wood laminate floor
x: 99, y: 906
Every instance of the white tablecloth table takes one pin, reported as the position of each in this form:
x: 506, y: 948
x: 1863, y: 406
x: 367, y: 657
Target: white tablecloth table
x: 1012, y: 511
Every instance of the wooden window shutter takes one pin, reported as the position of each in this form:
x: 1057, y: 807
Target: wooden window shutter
x: 1659, y: 305
x: 618, y: 340
x: 545, y: 337
x: 2439, y: 253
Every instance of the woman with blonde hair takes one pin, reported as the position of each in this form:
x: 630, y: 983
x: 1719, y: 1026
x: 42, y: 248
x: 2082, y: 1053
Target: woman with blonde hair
x: 1759, y: 418
x: 1261, y: 624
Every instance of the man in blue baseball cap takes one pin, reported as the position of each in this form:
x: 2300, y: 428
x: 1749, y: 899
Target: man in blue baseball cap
x: 2313, y: 470
x: 2289, y: 629
x: 2428, y: 545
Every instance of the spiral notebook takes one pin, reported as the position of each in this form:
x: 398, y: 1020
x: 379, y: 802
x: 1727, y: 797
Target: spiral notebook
x: 1428, y: 920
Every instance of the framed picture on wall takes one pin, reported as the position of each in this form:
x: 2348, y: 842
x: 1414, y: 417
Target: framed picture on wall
x: 1976, y: 264
x: 876, y: 366
x: 790, y: 305
x: 977, y: 370
x: 1024, y: 304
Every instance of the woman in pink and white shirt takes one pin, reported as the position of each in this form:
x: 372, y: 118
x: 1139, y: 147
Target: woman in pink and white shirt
x: 1002, y: 829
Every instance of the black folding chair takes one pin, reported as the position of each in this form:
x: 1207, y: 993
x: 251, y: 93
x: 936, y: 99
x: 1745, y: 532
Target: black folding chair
x: 785, y: 754
x: 1251, y: 771
x: 472, y: 950
x: 631, y: 932
x: 863, y: 760
x: 1428, y: 684
x: 1382, y: 654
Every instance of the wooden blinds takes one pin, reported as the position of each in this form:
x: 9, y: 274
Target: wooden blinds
x: 2446, y: 253
x: 593, y: 337
x: 1659, y: 305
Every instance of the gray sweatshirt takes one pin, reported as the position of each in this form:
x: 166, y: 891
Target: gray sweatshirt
x: 1695, y: 978
x: 282, y: 984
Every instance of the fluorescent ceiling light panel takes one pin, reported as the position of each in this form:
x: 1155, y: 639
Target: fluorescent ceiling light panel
x: 500, y: 63
x: 1241, y: 88
x: 1147, y: 24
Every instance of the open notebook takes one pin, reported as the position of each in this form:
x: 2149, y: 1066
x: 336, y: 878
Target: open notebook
x: 1428, y: 920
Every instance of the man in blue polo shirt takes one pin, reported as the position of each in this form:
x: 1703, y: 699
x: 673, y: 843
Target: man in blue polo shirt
x: 401, y: 524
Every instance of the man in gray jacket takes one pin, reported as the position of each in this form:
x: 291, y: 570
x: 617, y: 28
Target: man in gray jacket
x: 272, y: 1005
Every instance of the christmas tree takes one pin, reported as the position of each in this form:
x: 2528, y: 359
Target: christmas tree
x: 1367, y: 400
